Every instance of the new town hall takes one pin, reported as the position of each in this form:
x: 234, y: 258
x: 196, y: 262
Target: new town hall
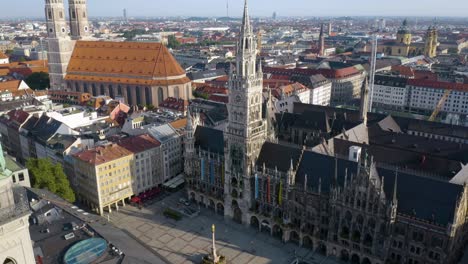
x: 337, y: 198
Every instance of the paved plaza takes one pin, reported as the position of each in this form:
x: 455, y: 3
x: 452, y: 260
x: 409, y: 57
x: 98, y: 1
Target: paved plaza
x: 188, y: 240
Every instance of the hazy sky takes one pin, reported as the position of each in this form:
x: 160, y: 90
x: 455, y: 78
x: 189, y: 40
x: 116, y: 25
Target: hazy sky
x: 34, y: 8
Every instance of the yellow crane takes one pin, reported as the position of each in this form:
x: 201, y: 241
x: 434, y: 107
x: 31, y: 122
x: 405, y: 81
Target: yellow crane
x: 440, y: 104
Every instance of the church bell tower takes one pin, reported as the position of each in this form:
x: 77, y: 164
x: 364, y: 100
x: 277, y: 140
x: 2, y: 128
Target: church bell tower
x: 60, y: 44
x: 246, y: 130
x: 79, y: 24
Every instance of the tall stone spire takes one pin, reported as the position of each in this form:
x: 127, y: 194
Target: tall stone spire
x: 246, y: 48
x: 246, y: 130
x: 321, y: 41
x: 364, y: 101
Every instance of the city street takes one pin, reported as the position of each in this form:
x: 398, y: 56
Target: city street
x: 188, y: 240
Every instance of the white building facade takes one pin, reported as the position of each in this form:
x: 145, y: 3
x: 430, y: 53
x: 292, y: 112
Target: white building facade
x: 171, y: 150
x: 320, y: 92
x: 390, y: 93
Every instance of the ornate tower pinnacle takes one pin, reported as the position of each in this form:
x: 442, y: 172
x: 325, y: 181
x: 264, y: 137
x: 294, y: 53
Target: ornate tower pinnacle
x: 246, y: 47
x: 79, y: 24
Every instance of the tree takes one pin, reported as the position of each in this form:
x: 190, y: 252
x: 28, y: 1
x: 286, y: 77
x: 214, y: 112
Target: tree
x: 46, y: 175
x: 339, y: 50
x: 38, y: 81
x: 172, y: 42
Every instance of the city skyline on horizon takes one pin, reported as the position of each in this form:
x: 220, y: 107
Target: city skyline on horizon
x: 258, y: 8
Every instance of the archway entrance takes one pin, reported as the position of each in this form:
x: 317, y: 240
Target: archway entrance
x: 355, y: 259
x: 294, y: 237
x: 236, y: 212
x: 366, y: 261
x: 265, y: 227
x: 322, y: 249
x: 254, y: 222
x: 278, y: 232
x: 211, y: 205
x: 344, y: 255
x: 220, y: 208
x: 307, y: 243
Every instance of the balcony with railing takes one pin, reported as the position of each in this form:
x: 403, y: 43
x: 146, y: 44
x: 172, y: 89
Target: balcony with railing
x: 17, y: 208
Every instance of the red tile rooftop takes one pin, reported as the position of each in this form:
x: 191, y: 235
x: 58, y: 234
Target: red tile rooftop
x: 139, y: 143
x: 438, y: 85
x: 103, y: 154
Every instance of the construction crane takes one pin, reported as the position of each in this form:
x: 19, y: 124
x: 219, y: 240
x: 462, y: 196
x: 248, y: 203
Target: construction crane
x: 440, y: 104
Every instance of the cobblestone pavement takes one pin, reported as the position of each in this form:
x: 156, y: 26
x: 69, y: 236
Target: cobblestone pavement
x: 188, y: 240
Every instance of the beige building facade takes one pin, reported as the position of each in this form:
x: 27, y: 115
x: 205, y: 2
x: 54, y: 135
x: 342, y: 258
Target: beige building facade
x: 103, y: 177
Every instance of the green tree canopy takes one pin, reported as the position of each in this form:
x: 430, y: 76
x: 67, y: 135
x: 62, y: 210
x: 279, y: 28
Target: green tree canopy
x: 172, y: 42
x: 38, y: 81
x: 46, y: 175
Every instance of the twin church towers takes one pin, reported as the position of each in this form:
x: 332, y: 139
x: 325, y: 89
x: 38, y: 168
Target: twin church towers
x: 60, y: 43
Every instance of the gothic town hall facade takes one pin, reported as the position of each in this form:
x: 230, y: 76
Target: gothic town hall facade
x: 344, y: 207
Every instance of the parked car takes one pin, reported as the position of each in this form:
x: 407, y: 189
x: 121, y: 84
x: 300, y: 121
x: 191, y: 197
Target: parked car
x: 184, y: 202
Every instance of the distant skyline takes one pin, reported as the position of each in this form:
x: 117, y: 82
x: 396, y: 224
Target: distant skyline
x: 160, y: 8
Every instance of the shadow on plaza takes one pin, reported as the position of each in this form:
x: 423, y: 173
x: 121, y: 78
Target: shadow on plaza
x: 151, y: 215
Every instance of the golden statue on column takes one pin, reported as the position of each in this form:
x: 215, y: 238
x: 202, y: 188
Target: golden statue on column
x: 213, y: 257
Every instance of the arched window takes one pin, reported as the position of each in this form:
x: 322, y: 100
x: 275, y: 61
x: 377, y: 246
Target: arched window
x: 94, y: 89
x: 160, y: 95
x: 138, y: 95
x: 148, y: 95
x: 176, y: 92
x: 111, y: 91
x: 85, y: 88
x: 119, y: 90
x: 103, y: 91
x: 77, y: 87
x: 9, y: 261
x: 129, y: 95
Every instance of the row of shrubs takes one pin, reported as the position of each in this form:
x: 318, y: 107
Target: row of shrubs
x: 172, y: 214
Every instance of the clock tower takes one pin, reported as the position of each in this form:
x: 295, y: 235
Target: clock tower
x: 246, y: 130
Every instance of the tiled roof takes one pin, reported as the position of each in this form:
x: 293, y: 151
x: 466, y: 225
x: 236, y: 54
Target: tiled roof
x: 415, y: 194
x: 4, y: 72
x: 117, y: 59
x: 328, y: 73
x: 394, y: 81
x: 174, y: 104
x: 3, y: 56
x: 140, y: 143
x: 10, y: 85
x: 136, y: 80
x: 178, y: 124
x: 209, y: 139
x: 438, y: 85
x: 278, y: 156
x: 103, y: 154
